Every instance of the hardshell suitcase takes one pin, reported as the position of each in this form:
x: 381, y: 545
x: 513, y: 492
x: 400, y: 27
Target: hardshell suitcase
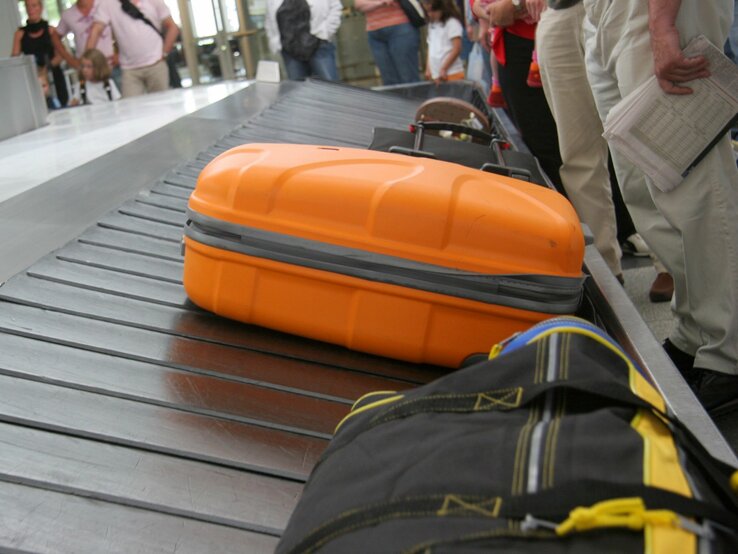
x: 414, y: 259
x: 560, y: 444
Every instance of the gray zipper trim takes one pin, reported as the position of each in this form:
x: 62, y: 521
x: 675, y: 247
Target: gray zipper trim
x: 540, y: 293
x: 537, y: 438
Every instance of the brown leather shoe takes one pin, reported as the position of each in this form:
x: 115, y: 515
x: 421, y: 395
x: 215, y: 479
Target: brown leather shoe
x: 662, y: 288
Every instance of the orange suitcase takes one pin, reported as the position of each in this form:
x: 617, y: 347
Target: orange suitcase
x: 410, y: 258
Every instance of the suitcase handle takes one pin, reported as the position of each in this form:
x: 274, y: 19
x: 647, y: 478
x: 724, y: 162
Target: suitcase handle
x: 514, y: 172
x: 415, y: 152
x: 456, y: 128
x: 496, y: 143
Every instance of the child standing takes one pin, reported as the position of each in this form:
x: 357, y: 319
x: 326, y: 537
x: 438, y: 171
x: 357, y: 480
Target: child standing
x: 52, y: 102
x: 444, y: 41
x: 95, y: 85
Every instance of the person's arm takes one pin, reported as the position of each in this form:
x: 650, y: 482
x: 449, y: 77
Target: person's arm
x: 171, y: 32
x: 17, y: 37
x: 501, y: 13
x: 61, y: 50
x: 450, y: 58
x: 670, y: 64
x: 333, y: 18
x: 271, y: 28
x: 535, y: 8
x: 478, y: 11
x: 95, y: 31
x: 370, y: 5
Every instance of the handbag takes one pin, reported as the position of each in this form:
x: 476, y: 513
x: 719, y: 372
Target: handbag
x: 414, y: 12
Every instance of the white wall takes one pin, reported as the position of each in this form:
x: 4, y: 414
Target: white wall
x: 9, y: 22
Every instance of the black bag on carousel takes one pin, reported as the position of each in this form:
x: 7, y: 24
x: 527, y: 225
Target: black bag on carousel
x: 293, y: 20
x: 558, y: 444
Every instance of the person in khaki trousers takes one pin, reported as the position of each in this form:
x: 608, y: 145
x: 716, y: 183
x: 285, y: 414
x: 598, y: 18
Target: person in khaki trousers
x: 560, y: 46
x: 693, y: 229
x: 143, y: 44
x: 584, y: 152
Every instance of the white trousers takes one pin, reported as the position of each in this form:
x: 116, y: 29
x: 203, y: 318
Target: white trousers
x: 693, y: 229
x: 584, y: 173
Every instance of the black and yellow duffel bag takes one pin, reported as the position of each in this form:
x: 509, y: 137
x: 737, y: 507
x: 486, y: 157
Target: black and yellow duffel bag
x: 558, y: 444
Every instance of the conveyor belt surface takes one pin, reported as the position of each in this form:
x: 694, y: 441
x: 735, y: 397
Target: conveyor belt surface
x: 131, y: 420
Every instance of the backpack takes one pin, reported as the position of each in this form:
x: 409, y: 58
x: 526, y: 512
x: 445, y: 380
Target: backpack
x: 293, y: 20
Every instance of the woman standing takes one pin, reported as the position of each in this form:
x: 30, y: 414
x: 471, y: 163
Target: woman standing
x: 39, y: 39
x: 394, y: 42
x: 512, y: 44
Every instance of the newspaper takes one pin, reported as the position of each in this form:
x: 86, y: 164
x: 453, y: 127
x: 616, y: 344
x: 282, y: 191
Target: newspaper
x: 667, y: 135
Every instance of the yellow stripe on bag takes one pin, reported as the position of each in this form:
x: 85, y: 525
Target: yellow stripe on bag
x: 661, y: 468
x: 638, y: 384
x: 645, y: 390
x: 371, y: 406
x: 373, y: 393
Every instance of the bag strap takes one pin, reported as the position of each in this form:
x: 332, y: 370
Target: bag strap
x: 576, y: 506
x: 716, y: 471
x: 108, y: 89
x: 131, y: 9
x: 83, y: 91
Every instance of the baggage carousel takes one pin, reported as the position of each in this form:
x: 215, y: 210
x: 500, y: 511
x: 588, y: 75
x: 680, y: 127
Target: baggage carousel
x: 131, y: 420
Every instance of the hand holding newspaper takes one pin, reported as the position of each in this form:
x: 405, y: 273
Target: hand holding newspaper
x: 667, y: 135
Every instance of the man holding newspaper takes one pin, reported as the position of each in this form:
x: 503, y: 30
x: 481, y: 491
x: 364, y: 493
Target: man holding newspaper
x: 692, y: 223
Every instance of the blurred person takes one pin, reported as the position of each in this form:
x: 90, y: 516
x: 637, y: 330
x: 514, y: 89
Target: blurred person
x: 95, y: 83
x: 478, y: 64
x: 585, y: 173
x: 40, y: 40
x: 584, y: 152
x: 52, y: 102
x: 304, y: 33
x: 444, y: 41
x: 512, y: 45
x: 693, y: 228
x: 393, y: 40
x: 142, y: 45
x: 78, y: 20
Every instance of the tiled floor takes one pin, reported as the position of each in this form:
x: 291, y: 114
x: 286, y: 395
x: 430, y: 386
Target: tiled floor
x: 639, y: 274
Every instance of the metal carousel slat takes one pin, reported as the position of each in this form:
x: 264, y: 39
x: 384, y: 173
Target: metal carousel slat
x: 102, y: 471
x: 48, y: 522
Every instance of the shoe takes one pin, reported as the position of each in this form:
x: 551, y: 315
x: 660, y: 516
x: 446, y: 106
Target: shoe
x: 495, y: 98
x: 715, y: 388
x: 634, y: 245
x: 662, y: 288
x: 534, y: 76
x: 684, y: 363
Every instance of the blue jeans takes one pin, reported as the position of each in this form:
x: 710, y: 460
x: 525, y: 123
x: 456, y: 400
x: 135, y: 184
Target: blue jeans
x: 395, y: 50
x: 321, y: 64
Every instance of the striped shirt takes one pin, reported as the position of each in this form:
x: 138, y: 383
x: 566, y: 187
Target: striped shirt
x: 386, y: 16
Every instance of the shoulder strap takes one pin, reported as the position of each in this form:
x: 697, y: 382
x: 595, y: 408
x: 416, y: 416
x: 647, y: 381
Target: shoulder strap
x: 131, y: 9
x: 83, y: 91
x: 108, y: 90
x: 547, y: 509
